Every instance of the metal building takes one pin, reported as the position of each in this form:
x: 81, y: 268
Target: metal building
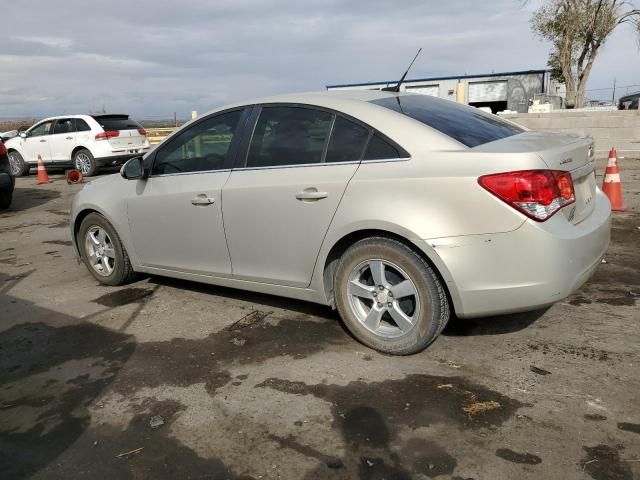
x: 498, y: 91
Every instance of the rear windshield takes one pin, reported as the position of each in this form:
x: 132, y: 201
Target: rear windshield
x: 467, y: 125
x: 117, y: 123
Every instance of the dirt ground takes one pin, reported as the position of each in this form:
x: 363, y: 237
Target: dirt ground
x: 166, y: 379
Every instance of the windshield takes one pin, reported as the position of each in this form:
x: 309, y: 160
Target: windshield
x: 467, y: 125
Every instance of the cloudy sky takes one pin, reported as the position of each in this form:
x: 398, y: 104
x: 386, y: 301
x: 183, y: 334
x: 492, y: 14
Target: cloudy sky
x: 151, y: 58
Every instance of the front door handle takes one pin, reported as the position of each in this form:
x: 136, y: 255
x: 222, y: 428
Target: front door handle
x: 69, y: 138
x: 42, y: 141
x: 202, y: 199
x: 311, y: 194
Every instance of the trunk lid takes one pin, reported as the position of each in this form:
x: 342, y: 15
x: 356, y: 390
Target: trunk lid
x: 559, y: 151
x: 129, y: 136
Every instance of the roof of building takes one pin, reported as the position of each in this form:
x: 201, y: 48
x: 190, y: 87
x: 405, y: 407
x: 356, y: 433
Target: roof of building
x: 449, y: 77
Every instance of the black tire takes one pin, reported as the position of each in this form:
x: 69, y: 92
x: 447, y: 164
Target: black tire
x: 434, y: 311
x: 15, y: 159
x: 92, y: 167
x: 5, y: 200
x: 123, y: 271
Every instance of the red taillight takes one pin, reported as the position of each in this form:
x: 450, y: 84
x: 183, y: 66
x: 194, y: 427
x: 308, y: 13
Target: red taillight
x: 3, y: 149
x: 142, y: 132
x: 536, y: 193
x: 107, y: 135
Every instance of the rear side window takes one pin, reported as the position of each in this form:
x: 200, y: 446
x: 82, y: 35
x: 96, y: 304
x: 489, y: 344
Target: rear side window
x: 81, y: 125
x: 288, y: 136
x: 117, y: 123
x: 380, y: 149
x: 467, y: 125
x: 63, y: 125
x: 347, y: 143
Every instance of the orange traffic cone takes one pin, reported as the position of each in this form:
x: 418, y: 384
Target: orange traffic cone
x: 611, y: 185
x: 42, y: 172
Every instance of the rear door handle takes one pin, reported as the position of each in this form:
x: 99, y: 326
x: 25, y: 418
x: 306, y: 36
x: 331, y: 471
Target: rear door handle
x: 69, y: 138
x: 311, y: 194
x: 202, y: 199
x: 42, y: 141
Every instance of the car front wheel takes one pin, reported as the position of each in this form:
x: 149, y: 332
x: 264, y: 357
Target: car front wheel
x: 389, y: 297
x: 17, y: 164
x: 103, y: 252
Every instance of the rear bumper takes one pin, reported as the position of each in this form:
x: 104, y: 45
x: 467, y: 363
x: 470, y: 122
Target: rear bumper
x: 531, y: 267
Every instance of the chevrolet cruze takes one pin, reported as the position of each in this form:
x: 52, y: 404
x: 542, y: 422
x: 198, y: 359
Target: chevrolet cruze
x: 397, y: 209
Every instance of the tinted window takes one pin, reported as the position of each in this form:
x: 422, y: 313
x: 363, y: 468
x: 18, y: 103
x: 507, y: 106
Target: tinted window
x: 347, y: 142
x: 81, y: 125
x: 380, y: 149
x: 289, y: 136
x: 44, y: 128
x: 202, y: 147
x: 117, y: 123
x: 467, y: 125
x: 63, y: 125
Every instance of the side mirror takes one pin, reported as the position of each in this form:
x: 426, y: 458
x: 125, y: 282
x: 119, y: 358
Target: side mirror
x: 133, y: 169
x: 23, y: 135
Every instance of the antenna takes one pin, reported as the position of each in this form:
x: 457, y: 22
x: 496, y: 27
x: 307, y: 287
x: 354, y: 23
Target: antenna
x: 397, y: 87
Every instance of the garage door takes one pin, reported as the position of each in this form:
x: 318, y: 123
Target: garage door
x: 433, y: 90
x: 488, y: 91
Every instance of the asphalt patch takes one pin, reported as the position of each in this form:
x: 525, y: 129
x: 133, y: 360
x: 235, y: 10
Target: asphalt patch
x: 594, y: 417
x: 50, y: 376
x: 515, y: 457
x: 66, y: 243
x: 123, y: 297
x: 603, y: 462
x: 629, y: 427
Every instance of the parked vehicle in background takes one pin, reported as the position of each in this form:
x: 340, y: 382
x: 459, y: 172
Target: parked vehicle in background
x: 395, y: 208
x: 7, y: 180
x: 85, y: 142
x: 629, y: 102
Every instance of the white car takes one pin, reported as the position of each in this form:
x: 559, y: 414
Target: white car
x: 86, y: 142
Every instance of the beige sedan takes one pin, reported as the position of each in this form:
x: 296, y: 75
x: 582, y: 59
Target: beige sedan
x: 397, y: 209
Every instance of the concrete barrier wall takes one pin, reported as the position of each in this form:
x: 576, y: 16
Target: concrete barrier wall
x: 619, y: 128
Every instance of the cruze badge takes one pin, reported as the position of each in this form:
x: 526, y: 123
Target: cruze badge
x: 566, y: 160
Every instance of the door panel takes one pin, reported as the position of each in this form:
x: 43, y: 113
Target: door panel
x: 37, y: 143
x: 273, y: 236
x: 63, y: 139
x: 175, y: 215
x: 173, y: 228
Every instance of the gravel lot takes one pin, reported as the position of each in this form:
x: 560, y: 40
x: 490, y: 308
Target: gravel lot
x: 166, y: 379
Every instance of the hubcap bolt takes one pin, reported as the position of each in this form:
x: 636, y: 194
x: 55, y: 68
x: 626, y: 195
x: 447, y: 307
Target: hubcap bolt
x: 390, y: 294
x: 375, y: 294
x: 389, y: 305
x: 379, y: 305
x: 380, y: 287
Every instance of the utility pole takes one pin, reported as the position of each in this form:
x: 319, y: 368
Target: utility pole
x: 175, y: 119
x: 613, y: 96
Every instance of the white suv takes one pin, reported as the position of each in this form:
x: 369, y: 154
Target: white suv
x: 87, y: 142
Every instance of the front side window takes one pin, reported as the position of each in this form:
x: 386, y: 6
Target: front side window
x: 45, y: 128
x: 286, y: 136
x: 348, y: 140
x: 202, y: 147
x: 63, y: 125
x: 467, y: 125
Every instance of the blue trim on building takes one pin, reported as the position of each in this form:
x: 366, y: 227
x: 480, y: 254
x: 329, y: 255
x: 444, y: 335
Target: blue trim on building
x: 450, y: 77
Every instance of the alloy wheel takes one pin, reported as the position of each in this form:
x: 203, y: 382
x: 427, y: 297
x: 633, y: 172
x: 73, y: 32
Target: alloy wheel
x: 83, y: 163
x: 383, y: 298
x: 100, y: 251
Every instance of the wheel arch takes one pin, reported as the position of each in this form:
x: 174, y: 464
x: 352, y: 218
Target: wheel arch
x: 77, y: 148
x: 330, y: 261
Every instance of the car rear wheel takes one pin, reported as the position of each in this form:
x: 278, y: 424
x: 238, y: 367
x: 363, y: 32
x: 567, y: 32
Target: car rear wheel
x: 389, y: 297
x: 103, y: 252
x: 84, y: 162
x: 17, y: 164
x: 5, y: 200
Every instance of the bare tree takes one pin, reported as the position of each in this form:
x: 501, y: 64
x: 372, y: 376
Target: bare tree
x: 577, y: 29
